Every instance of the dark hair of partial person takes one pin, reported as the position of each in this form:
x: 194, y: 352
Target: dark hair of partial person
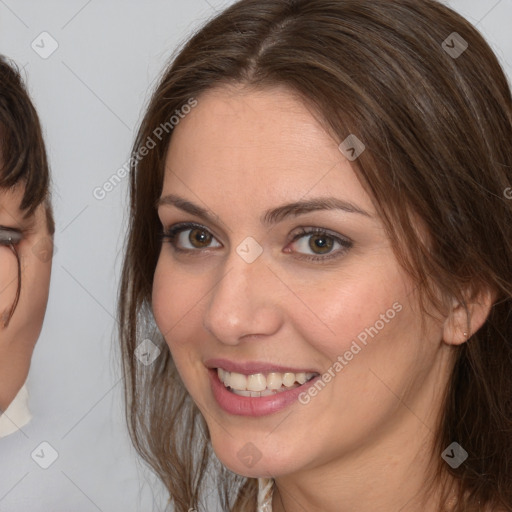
x: 438, y: 134
x: 23, y: 160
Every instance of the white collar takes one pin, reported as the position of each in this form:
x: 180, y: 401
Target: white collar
x: 17, y: 414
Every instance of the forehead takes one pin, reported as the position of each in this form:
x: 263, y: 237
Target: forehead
x: 249, y: 117
x: 258, y: 143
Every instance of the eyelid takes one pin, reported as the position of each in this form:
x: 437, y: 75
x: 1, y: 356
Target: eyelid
x: 312, y: 230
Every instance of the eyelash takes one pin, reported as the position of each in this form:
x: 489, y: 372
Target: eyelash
x: 171, y: 234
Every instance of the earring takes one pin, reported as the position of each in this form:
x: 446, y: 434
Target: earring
x: 465, y: 335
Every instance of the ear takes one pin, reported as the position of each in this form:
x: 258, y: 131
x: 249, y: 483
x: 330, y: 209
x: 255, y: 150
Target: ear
x: 464, y: 320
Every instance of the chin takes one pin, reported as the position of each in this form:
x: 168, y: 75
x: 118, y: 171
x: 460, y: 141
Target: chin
x: 251, y: 458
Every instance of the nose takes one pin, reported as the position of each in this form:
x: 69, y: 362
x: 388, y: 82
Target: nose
x: 245, y: 301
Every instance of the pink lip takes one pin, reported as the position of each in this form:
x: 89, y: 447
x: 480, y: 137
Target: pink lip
x: 252, y: 367
x: 257, y: 406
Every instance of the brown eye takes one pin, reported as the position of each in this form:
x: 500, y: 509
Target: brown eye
x: 317, y: 244
x: 200, y: 237
x: 321, y: 244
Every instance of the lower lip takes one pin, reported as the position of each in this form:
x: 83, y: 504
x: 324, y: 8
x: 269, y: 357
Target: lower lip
x: 253, y: 406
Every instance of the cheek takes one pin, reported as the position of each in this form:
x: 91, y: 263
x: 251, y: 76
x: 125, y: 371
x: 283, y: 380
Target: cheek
x: 163, y: 298
x: 35, y: 287
x: 8, y: 280
x: 375, y: 345
x: 359, y: 307
x: 176, y: 296
x: 18, y: 339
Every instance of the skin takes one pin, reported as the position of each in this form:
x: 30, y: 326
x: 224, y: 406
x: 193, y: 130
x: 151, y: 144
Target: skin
x: 363, y: 443
x: 18, y: 339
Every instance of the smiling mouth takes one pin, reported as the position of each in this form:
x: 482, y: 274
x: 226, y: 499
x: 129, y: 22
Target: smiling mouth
x: 262, y: 384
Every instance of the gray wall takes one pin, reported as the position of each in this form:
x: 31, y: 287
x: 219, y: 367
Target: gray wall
x: 90, y: 95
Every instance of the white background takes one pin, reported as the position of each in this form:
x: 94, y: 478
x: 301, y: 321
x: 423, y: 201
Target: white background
x: 90, y: 95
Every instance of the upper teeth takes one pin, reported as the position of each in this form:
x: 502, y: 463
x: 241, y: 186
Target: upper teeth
x: 261, y: 384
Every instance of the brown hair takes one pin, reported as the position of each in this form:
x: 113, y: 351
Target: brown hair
x: 438, y: 134
x: 23, y: 160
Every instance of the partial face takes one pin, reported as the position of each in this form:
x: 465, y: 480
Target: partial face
x: 294, y: 332
x: 32, y: 241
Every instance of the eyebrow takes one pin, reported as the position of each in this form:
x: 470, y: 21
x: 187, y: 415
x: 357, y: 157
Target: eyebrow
x: 272, y: 216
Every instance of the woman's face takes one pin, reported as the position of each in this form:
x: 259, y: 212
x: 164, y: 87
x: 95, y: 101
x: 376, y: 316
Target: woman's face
x: 263, y: 302
x: 34, y: 246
